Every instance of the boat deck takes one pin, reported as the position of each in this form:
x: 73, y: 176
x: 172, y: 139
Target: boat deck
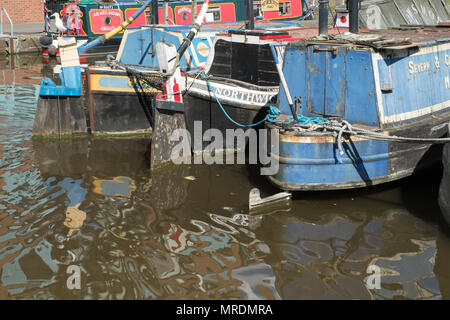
x: 408, y: 36
x: 397, y: 38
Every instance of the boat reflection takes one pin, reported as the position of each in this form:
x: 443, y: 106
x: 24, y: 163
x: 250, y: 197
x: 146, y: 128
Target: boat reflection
x: 326, y: 255
x: 135, y: 237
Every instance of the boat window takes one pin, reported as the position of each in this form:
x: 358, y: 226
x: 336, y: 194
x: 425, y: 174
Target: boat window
x: 251, y: 63
x: 213, y: 14
x: 284, y: 8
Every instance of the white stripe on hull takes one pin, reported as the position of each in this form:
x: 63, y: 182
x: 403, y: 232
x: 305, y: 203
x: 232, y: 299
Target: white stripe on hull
x: 232, y: 95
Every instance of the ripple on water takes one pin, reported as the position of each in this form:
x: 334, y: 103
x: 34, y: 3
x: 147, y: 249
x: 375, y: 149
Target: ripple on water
x: 93, y: 203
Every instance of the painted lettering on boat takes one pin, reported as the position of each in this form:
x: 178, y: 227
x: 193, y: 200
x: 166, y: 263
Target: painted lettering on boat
x: 418, y: 67
x: 247, y: 96
x: 447, y: 82
x: 108, y: 12
x: 426, y: 65
x: 184, y: 9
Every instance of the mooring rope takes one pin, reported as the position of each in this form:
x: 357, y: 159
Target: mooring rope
x: 338, y: 128
x: 343, y: 127
x: 210, y: 89
x: 273, y: 112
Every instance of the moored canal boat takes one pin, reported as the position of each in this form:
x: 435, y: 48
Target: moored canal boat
x: 115, y: 83
x: 87, y: 19
x: 223, y: 60
x: 239, y: 82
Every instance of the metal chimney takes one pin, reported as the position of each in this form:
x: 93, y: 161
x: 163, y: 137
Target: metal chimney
x: 353, y: 8
x: 166, y: 12
x: 323, y: 17
x: 250, y: 24
x: 154, y: 11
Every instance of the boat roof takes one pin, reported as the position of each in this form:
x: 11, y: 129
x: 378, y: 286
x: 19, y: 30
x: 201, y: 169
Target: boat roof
x: 262, y: 24
x: 389, y: 39
x: 141, y: 2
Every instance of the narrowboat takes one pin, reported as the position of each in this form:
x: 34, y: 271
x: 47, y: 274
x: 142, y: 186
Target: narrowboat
x: 110, y: 84
x: 239, y: 82
x: 87, y: 19
x: 372, y: 106
x: 237, y: 66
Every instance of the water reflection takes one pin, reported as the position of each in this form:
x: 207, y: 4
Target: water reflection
x: 329, y: 258
x: 139, y: 235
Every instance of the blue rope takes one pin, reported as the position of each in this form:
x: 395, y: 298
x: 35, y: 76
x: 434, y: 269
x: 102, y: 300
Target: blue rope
x: 274, y: 113
x: 223, y: 110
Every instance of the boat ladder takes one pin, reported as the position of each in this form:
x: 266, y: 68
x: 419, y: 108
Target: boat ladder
x: 6, y: 38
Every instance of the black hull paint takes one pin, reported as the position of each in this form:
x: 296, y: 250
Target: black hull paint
x: 444, y: 188
x: 112, y: 113
x: 211, y: 116
x: 110, y: 47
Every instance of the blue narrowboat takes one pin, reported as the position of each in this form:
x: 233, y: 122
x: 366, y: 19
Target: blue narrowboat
x: 379, y: 96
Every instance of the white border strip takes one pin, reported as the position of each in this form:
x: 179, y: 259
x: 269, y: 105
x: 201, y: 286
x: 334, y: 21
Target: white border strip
x: 410, y: 114
x: 417, y: 113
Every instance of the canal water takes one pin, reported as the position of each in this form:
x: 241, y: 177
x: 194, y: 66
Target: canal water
x: 92, y: 205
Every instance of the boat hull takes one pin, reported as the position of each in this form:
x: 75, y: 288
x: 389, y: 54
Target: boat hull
x: 444, y: 188
x: 115, y: 105
x: 227, y: 106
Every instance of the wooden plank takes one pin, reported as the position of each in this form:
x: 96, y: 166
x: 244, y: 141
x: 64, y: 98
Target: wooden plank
x: 59, y: 116
x: 165, y: 122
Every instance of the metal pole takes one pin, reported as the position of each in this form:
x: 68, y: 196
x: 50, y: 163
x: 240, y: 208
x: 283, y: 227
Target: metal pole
x: 250, y: 24
x: 353, y: 8
x: 323, y: 17
x: 194, y: 10
x: 276, y: 57
x: 83, y: 48
x: 45, y: 17
x: 166, y: 11
x: 154, y: 9
x: 195, y: 28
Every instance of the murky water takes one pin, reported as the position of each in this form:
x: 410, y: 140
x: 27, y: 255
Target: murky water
x: 94, y: 204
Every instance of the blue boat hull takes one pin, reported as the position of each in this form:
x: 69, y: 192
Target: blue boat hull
x: 315, y: 163
x: 402, y: 91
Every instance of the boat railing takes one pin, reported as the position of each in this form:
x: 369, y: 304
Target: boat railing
x: 11, y: 24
